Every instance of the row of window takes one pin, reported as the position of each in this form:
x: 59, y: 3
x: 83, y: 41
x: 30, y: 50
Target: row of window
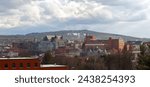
x: 21, y: 65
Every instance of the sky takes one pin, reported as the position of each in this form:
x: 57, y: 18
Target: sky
x: 126, y: 17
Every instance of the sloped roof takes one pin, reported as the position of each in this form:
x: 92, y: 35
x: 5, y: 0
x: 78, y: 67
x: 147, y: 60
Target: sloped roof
x: 134, y: 42
x: 96, y: 42
x: 49, y: 37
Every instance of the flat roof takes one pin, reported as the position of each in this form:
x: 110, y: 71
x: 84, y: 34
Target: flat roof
x: 52, y: 65
x: 18, y: 58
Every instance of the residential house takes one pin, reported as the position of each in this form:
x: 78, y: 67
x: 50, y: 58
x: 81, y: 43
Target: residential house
x: 134, y: 48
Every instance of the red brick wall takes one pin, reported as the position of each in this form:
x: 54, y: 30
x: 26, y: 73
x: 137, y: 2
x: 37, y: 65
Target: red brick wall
x: 34, y: 65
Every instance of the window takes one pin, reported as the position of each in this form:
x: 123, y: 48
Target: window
x: 13, y: 65
x: 21, y: 65
x: 28, y: 65
x: 35, y: 65
x: 6, y: 66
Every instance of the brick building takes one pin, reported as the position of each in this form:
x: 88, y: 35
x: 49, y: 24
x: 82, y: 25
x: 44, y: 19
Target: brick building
x: 90, y: 38
x: 27, y: 63
x: 92, y: 43
x: 117, y: 44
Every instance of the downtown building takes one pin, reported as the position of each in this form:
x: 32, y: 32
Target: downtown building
x: 27, y: 63
x: 93, y: 46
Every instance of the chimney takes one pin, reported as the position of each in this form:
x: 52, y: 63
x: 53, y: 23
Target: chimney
x: 110, y: 42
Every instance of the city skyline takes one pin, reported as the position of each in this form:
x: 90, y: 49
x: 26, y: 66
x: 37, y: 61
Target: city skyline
x: 118, y: 17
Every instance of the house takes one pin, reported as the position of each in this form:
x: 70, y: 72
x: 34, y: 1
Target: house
x: 72, y: 52
x: 51, y: 42
x: 134, y: 48
x: 67, y: 51
x: 147, y: 47
x: 44, y: 46
x: 89, y: 38
x: 24, y: 48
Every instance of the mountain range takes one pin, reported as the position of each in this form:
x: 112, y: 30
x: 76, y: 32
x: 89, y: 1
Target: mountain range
x: 68, y: 34
x: 80, y: 34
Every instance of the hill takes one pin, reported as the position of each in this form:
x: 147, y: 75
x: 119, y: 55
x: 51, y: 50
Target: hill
x: 67, y: 34
x: 80, y: 34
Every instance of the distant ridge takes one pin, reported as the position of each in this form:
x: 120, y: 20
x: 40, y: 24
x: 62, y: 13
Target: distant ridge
x: 67, y: 34
x: 80, y: 34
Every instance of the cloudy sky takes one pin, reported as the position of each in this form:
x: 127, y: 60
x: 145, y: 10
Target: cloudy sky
x: 127, y: 17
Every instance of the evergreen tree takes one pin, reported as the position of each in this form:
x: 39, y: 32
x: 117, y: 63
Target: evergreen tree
x: 144, y: 62
x: 144, y: 59
x: 47, y: 58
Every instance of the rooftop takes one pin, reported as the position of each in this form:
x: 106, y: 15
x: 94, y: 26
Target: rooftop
x: 134, y: 42
x: 50, y: 65
x: 19, y: 58
x: 96, y: 42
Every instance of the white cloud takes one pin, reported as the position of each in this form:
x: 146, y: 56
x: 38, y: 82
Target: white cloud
x: 7, y: 5
x: 113, y: 15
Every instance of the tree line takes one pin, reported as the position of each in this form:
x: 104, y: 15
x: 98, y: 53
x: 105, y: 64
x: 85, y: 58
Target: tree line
x: 120, y: 61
